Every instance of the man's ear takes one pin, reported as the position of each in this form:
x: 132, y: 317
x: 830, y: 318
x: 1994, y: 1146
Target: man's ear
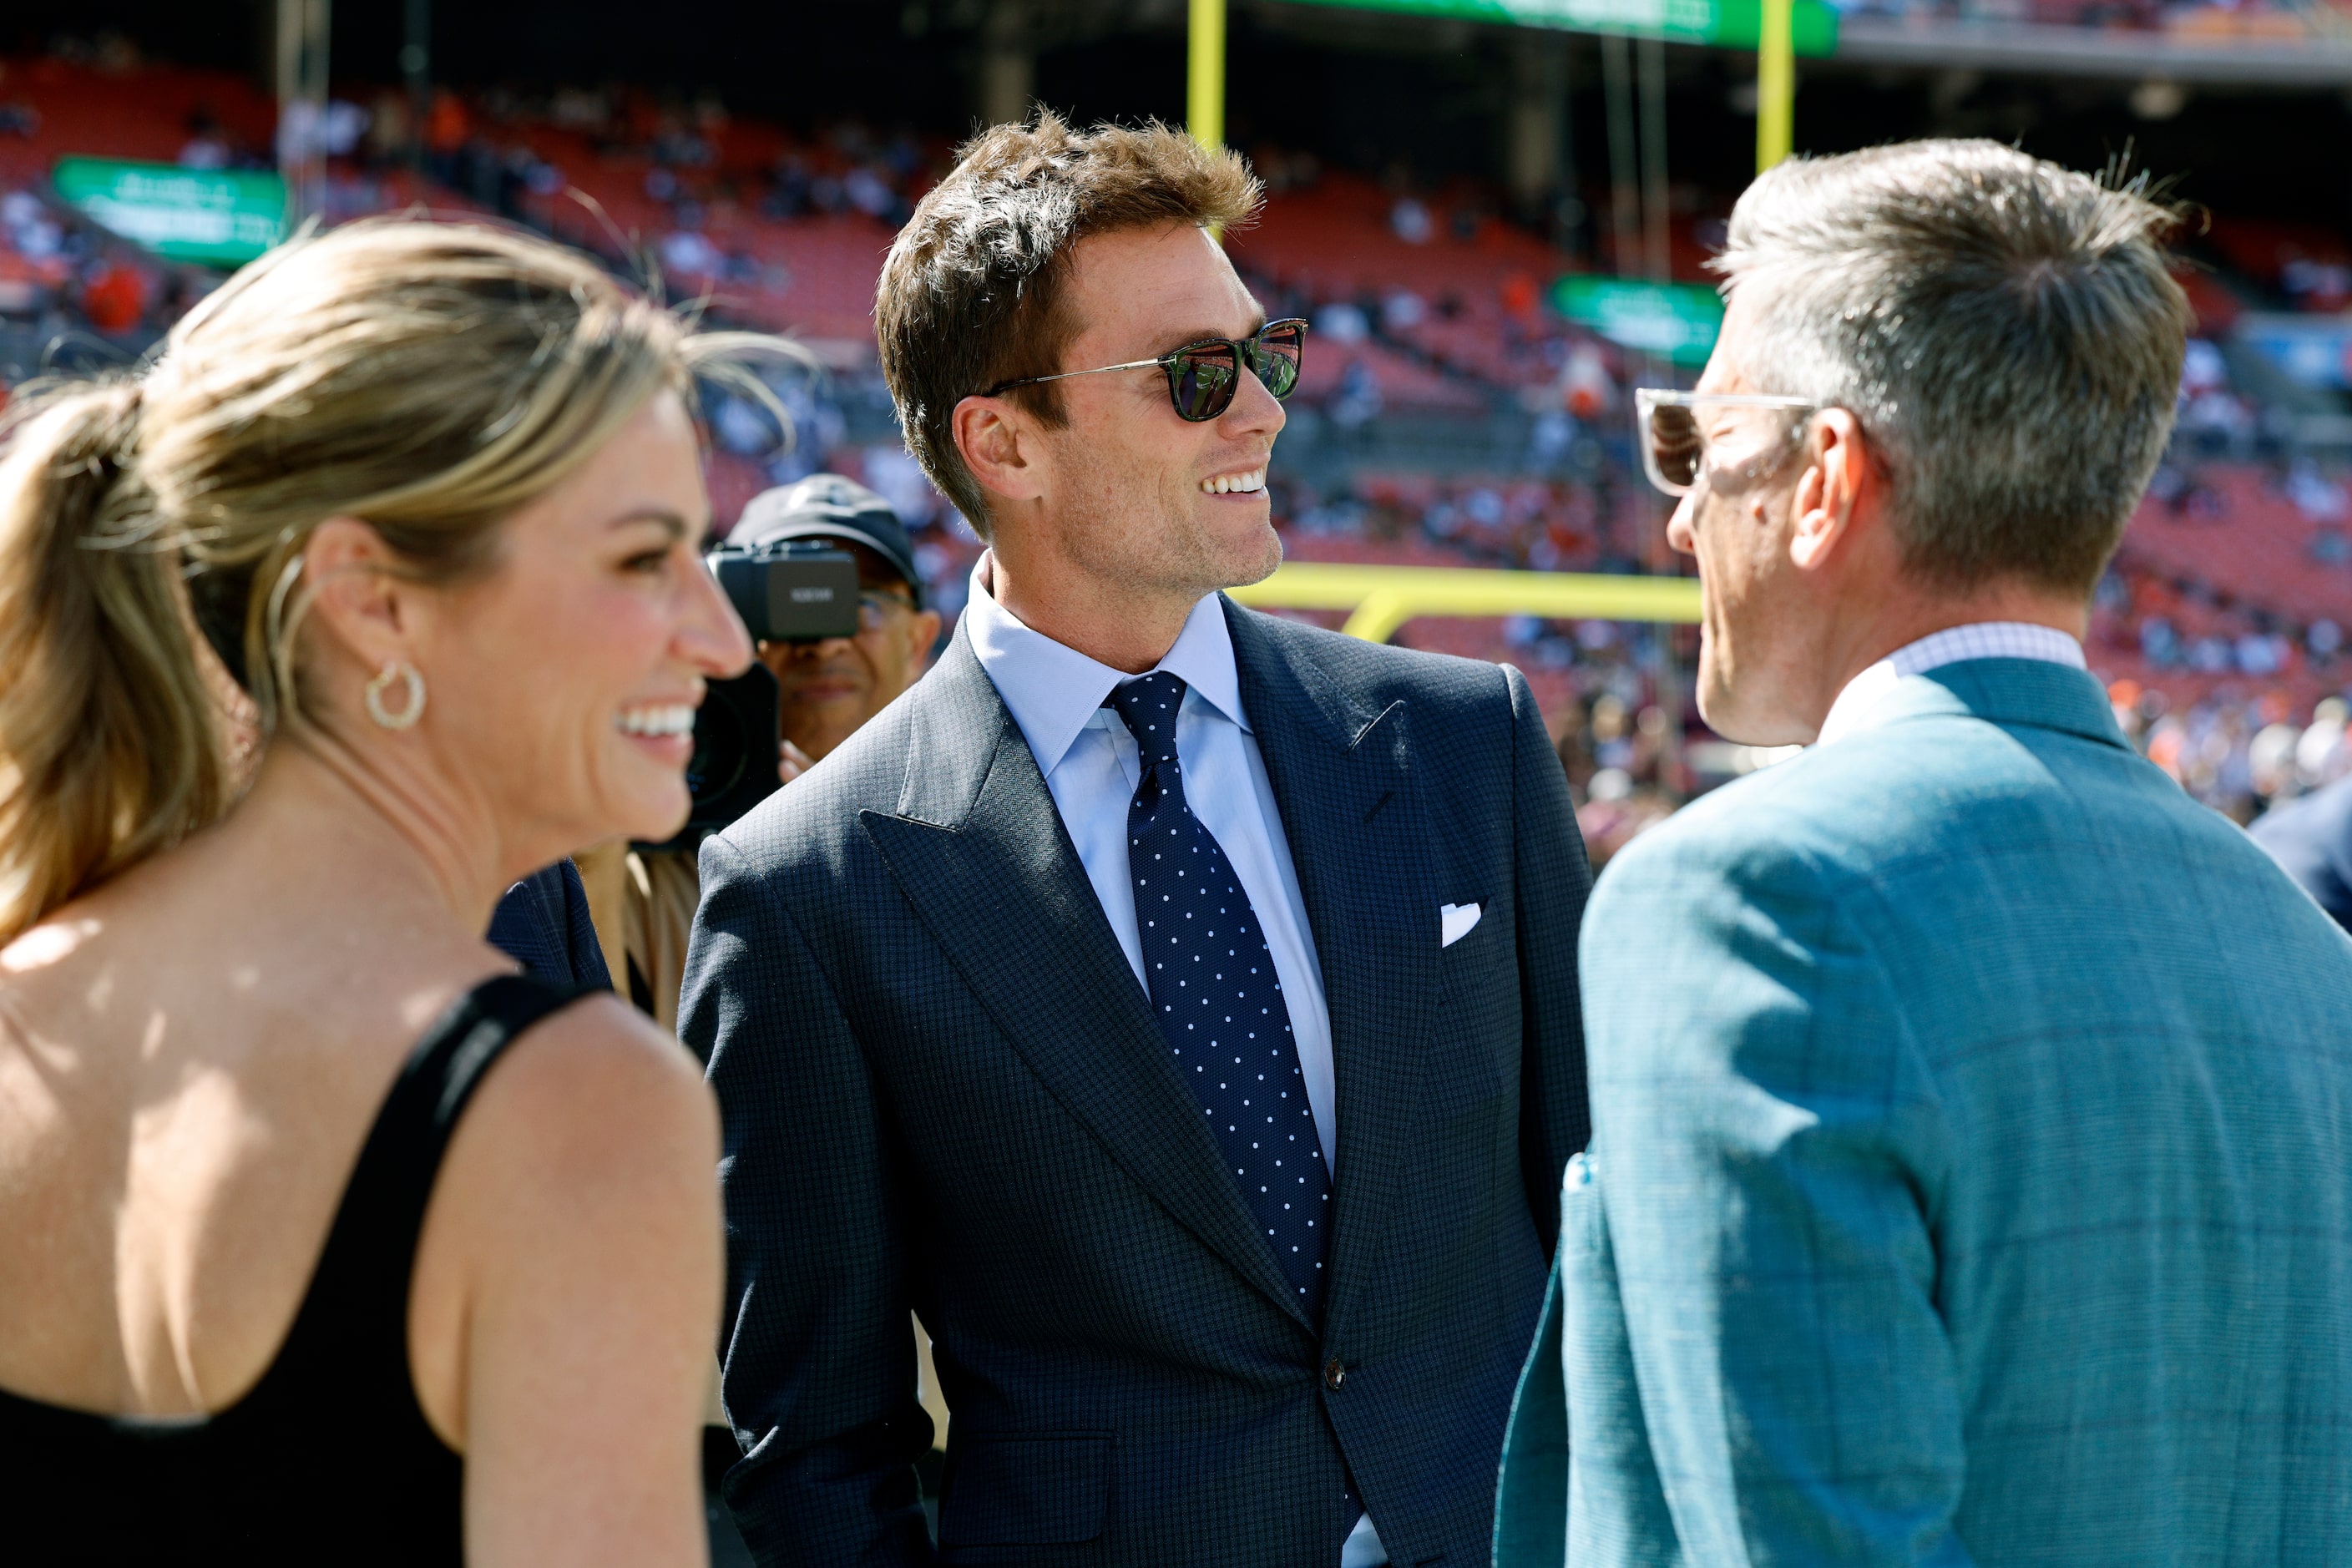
x: 1831, y: 490
x: 922, y: 631
x: 355, y: 596
x: 994, y: 438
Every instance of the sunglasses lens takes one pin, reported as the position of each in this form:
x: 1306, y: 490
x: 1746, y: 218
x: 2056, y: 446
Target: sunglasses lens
x: 1203, y: 380
x: 1675, y: 445
x: 1279, y: 350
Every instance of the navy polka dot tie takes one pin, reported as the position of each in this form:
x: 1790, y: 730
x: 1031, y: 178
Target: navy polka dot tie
x: 1219, y: 1004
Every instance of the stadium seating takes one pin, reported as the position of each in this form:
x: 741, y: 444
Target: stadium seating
x: 2302, y: 263
x: 2260, y: 21
x: 1424, y: 304
x: 812, y: 275
x: 1439, y: 276
x: 146, y: 111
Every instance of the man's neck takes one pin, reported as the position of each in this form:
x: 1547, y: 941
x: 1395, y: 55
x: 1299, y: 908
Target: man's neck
x: 1126, y: 628
x: 419, y: 845
x: 1904, y: 617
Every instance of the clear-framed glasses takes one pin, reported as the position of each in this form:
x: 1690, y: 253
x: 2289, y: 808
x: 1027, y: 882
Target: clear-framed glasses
x: 1677, y: 445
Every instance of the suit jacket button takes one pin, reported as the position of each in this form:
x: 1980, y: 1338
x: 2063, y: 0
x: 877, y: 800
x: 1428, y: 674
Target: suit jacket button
x: 1334, y: 1374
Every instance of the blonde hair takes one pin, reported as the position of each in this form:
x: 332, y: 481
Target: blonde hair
x: 425, y: 378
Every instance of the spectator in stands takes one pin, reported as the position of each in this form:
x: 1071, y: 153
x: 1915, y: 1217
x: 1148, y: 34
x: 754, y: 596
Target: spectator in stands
x: 1952, y: 1081
x: 2324, y: 753
x: 826, y: 692
x: 1358, y: 402
x: 206, y: 146
x: 114, y: 296
x: 430, y: 494
x: 1411, y: 222
x: 788, y: 196
x: 949, y: 1075
x: 447, y: 128
x: 391, y: 128
x: 17, y: 117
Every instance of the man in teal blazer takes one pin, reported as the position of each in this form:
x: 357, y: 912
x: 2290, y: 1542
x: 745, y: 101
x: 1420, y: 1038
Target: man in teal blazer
x: 1971, y: 1175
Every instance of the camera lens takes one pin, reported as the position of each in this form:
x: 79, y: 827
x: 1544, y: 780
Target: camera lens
x: 720, y: 752
x: 733, y: 765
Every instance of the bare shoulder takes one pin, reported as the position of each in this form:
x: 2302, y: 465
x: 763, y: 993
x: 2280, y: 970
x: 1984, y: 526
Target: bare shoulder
x: 601, y: 1083
x: 579, y: 1185
x: 594, y: 1129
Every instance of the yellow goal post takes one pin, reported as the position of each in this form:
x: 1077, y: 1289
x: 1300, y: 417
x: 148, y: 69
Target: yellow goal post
x: 1379, y: 599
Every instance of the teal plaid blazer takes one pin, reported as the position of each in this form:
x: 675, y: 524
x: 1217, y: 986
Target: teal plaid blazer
x: 1971, y: 1177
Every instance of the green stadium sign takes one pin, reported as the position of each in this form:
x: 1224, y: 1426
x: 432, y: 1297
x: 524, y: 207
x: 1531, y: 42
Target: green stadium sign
x: 223, y: 216
x: 1676, y: 322
x: 1727, y: 24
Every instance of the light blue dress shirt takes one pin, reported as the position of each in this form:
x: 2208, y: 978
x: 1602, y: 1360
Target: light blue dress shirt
x: 1091, y: 769
x: 1057, y: 694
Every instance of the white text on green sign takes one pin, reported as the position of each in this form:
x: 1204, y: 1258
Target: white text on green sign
x: 225, y: 216
x: 1725, y: 24
x: 1676, y: 322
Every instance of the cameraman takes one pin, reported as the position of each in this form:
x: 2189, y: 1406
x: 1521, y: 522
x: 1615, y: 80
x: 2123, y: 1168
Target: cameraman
x: 831, y: 689
x: 828, y: 689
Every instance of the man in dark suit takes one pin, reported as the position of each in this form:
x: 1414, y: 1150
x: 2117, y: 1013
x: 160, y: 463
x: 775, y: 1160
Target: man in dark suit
x: 1174, y: 1005
x: 542, y: 925
x: 2312, y: 839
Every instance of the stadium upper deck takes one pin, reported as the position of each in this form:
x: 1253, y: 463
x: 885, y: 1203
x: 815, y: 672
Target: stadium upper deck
x: 1431, y: 312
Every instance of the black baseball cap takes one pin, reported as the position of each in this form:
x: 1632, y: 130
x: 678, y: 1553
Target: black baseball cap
x: 828, y: 505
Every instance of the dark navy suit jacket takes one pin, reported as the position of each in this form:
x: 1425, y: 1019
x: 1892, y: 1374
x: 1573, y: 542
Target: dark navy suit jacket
x: 2313, y: 840
x: 942, y: 1089
x: 542, y: 925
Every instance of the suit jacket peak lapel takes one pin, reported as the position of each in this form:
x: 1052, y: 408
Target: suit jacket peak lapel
x: 1342, y: 770
x: 955, y: 730
x: 1275, y: 673
x: 1003, y: 892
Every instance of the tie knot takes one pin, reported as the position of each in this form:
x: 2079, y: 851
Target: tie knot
x: 1148, y: 705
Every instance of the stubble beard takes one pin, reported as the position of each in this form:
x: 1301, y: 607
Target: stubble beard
x: 1716, y: 706
x: 1162, y: 551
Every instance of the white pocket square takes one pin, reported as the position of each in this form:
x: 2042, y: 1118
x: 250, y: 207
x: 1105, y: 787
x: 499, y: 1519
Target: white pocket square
x: 1453, y: 923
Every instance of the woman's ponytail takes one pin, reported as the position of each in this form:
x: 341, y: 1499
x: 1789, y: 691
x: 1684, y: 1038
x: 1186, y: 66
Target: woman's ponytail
x: 109, y: 733
x: 426, y: 379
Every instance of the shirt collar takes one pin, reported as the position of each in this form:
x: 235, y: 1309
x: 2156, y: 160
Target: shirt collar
x: 1053, y: 691
x: 1953, y: 644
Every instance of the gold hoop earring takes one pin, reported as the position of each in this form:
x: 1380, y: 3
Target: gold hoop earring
x: 401, y: 671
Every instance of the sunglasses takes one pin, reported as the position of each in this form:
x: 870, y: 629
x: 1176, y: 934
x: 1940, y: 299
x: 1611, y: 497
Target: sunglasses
x: 1675, y: 449
x: 1203, y: 376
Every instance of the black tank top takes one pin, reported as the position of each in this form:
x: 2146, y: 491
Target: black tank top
x: 328, y: 1458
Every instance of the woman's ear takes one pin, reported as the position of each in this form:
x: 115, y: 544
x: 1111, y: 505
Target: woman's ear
x: 355, y: 597
x: 989, y: 434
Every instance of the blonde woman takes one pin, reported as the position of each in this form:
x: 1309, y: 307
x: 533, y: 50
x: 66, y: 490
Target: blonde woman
x: 323, y: 1235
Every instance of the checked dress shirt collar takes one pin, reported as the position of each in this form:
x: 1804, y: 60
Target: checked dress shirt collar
x: 1954, y: 644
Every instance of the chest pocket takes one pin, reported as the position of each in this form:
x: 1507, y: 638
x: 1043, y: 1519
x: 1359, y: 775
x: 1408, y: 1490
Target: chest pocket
x: 1041, y: 1488
x: 1473, y: 1045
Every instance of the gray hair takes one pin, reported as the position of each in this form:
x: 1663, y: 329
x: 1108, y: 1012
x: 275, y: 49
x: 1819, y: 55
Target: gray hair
x: 2007, y: 333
